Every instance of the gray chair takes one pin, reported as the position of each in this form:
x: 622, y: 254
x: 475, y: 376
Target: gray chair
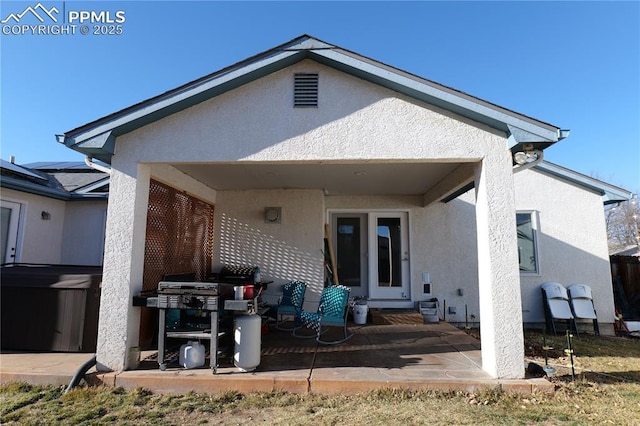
x: 582, y: 304
x: 556, y: 307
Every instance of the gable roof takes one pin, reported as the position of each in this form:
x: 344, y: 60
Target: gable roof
x: 59, y: 180
x: 97, y: 138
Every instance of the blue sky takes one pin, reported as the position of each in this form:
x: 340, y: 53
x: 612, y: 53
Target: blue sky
x: 573, y: 64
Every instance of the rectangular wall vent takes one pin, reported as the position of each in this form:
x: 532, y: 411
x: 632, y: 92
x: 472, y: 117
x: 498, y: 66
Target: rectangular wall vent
x: 305, y: 92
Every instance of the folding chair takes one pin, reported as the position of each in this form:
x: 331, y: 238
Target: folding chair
x: 332, y: 312
x: 582, y: 304
x: 556, y: 306
x: 290, y: 303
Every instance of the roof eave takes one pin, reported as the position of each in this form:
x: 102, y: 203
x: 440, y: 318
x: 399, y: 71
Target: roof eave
x: 610, y: 194
x: 44, y: 191
x: 521, y: 127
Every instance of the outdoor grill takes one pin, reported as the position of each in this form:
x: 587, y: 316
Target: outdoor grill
x: 201, y: 299
x: 188, y: 295
x: 190, y: 310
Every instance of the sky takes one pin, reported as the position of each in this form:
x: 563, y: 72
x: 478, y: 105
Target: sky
x: 572, y: 64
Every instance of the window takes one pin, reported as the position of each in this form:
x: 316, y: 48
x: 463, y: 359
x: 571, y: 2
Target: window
x: 527, y: 244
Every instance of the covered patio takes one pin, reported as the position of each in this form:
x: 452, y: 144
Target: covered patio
x: 378, y: 148
x: 401, y: 352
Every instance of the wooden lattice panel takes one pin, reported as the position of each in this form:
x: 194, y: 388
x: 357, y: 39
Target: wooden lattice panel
x: 179, y: 236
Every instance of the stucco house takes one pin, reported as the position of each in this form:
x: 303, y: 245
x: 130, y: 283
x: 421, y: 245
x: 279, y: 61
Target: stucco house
x: 53, y: 213
x: 428, y: 192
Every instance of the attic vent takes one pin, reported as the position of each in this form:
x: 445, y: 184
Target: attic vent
x: 305, y: 90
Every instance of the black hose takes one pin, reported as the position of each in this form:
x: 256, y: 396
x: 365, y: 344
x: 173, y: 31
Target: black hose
x: 80, y: 373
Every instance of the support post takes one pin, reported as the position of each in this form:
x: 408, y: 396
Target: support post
x: 501, y: 332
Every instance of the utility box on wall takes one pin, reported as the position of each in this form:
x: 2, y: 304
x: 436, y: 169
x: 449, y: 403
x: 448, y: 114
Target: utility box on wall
x: 50, y: 307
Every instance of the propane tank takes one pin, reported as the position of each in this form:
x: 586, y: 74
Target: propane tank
x: 247, y: 342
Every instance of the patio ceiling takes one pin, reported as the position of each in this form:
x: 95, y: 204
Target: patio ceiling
x: 361, y: 178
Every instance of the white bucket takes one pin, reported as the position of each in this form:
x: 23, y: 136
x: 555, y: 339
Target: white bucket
x: 360, y: 314
x: 192, y: 355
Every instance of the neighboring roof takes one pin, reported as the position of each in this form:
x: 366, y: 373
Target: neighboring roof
x: 610, y: 193
x: 628, y: 251
x: 50, y: 166
x: 97, y: 138
x: 19, y: 170
x: 75, y: 182
x: 73, y: 175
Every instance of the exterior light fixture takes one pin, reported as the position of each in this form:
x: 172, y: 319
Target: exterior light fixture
x: 272, y: 214
x: 527, y: 154
x: 520, y: 158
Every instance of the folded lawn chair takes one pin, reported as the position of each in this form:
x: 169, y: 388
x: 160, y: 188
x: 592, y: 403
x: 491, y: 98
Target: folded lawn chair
x: 332, y: 312
x: 290, y: 304
x: 582, y: 304
x: 556, y: 306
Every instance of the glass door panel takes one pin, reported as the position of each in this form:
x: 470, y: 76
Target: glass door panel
x: 389, y: 252
x: 389, y: 266
x: 10, y: 215
x: 348, y: 249
x: 350, y: 242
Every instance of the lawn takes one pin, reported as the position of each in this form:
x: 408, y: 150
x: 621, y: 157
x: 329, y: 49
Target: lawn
x: 605, y: 389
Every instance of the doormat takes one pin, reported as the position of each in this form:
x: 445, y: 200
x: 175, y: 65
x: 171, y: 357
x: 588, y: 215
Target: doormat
x: 395, y: 316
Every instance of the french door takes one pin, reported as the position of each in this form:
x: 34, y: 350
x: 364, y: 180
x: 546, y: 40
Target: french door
x: 372, y: 253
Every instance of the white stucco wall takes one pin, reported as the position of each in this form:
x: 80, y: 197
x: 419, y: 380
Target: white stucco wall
x: 572, y: 242
x: 34, y: 231
x: 354, y: 120
x: 448, y: 252
x: 286, y: 251
x: 84, y: 226
x: 572, y: 246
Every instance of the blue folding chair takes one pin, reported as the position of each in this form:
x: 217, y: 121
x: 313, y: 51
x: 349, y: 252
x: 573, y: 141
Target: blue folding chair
x: 290, y: 303
x: 332, y: 312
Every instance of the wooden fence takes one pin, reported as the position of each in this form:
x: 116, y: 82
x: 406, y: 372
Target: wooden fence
x: 625, y: 271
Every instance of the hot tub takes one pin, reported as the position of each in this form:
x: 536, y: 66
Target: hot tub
x: 50, y: 307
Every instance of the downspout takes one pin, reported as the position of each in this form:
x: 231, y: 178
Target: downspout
x: 89, y: 162
x: 93, y: 361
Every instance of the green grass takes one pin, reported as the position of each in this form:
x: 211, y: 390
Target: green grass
x: 606, y: 390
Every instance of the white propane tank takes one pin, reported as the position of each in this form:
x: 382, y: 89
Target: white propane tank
x: 191, y: 355
x: 247, y: 333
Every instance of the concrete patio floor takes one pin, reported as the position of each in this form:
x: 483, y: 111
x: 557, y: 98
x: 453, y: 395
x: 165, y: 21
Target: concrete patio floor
x: 398, y: 354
